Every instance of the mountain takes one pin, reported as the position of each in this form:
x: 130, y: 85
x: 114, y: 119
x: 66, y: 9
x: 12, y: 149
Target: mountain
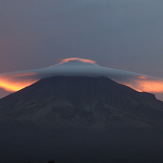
x: 81, y: 119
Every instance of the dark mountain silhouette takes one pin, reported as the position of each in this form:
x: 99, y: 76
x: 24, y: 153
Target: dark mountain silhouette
x: 81, y: 119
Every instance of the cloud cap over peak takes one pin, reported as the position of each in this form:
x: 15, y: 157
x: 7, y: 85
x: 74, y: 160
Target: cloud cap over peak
x: 15, y: 81
x: 75, y: 59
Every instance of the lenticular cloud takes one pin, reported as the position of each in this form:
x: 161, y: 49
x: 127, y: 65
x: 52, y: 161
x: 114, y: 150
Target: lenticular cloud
x: 15, y: 81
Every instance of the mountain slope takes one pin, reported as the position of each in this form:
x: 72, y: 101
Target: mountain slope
x: 83, y: 97
x: 98, y: 116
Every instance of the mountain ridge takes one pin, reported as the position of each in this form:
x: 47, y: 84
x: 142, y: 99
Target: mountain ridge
x: 93, y: 115
x: 76, y: 92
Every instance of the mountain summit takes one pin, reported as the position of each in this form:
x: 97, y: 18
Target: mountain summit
x: 81, y: 119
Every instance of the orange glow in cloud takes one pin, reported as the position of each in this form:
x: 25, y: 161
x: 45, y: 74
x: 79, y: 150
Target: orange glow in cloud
x: 143, y: 77
x: 77, y: 59
x: 146, y: 85
x: 14, y: 86
x: 26, y: 74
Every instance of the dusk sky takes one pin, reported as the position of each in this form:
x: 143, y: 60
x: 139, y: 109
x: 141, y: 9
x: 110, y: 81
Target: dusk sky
x: 122, y: 34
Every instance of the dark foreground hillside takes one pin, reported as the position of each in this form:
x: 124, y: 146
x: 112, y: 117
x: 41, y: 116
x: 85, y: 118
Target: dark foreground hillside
x: 81, y: 119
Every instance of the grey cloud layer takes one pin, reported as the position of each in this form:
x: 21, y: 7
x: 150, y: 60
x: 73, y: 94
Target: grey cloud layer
x: 76, y: 68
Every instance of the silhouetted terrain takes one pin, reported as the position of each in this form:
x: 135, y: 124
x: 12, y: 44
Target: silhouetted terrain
x: 81, y: 119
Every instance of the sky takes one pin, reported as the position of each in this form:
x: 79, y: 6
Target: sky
x: 125, y: 35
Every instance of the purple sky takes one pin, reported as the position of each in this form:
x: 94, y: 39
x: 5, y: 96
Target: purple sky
x: 123, y: 34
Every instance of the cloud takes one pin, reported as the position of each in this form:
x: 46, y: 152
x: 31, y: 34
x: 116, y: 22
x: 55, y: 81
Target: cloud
x: 77, y: 59
x: 15, y: 81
